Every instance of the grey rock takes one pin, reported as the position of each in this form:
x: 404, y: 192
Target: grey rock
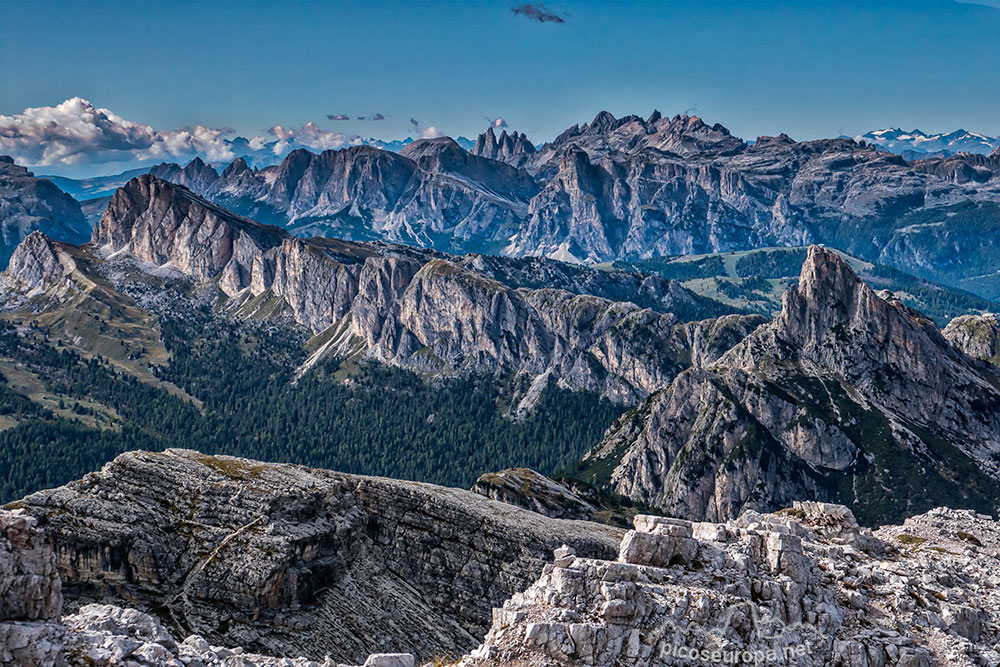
x: 298, y: 561
x: 29, y: 204
x: 532, y: 490
x: 30, y: 588
x: 976, y: 335
x: 837, y: 605
x: 813, y: 395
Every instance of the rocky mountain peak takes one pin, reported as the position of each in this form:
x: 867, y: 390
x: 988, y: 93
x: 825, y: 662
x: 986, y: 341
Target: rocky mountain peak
x: 34, y: 266
x: 840, y: 379
x: 236, y: 167
x: 166, y: 224
x: 504, y: 147
x: 833, y: 312
x: 196, y: 175
x: 780, y: 139
x: 603, y: 122
x: 29, y: 204
x: 829, y: 294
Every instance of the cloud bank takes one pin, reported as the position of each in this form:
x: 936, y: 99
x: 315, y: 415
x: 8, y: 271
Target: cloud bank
x: 76, y: 132
x: 76, y: 136
x: 309, y: 135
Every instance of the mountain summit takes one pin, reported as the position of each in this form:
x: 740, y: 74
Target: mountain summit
x: 847, y: 396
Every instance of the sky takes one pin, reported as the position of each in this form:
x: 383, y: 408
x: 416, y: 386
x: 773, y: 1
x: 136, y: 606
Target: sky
x: 810, y: 68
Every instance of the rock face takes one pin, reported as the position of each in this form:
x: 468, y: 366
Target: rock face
x: 37, y: 265
x: 804, y: 587
x: 630, y: 188
x: 404, y: 306
x: 291, y: 561
x: 433, y: 194
x: 30, y: 594
x: 844, y: 394
x: 100, y: 635
x: 32, y: 634
x: 977, y: 336
x: 534, y: 491
x: 196, y: 175
x: 506, y: 147
x: 29, y: 204
x: 162, y: 224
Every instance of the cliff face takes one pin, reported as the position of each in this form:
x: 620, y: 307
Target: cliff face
x: 40, y: 271
x: 165, y: 225
x: 506, y: 147
x: 29, y: 204
x: 976, y: 335
x: 843, y: 394
x: 30, y: 594
x: 293, y: 561
x: 405, y: 306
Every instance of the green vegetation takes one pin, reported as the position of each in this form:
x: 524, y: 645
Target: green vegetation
x: 911, y: 540
x: 782, y: 263
x: 969, y: 537
x: 381, y: 421
x: 681, y: 268
x: 754, y: 280
x: 900, y: 480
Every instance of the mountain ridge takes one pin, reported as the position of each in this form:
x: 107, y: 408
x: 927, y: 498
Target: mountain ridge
x: 631, y: 188
x: 815, y: 404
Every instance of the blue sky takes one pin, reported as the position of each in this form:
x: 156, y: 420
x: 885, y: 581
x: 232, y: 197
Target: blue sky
x: 808, y: 68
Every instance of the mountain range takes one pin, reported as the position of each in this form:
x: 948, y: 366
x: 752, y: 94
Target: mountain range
x: 845, y: 389
x: 919, y: 145
x: 183, y: 322
x: 626, y: 189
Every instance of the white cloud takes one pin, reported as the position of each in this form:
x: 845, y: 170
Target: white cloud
x: 76, y: 138
x: 76, y: 132
x: 310, y: 135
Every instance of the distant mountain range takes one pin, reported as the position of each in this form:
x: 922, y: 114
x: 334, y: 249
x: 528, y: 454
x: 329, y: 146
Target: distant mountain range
x: 628, y: 189
x: 915, y: 145
x: 96, y: 187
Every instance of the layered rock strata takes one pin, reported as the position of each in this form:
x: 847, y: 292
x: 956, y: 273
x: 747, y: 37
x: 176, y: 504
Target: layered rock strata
x: 285, y: 560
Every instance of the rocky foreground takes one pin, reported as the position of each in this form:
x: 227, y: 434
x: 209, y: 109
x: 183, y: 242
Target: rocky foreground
x: 32, y: 633
x: 288, y: 560
x: 805, y: 586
